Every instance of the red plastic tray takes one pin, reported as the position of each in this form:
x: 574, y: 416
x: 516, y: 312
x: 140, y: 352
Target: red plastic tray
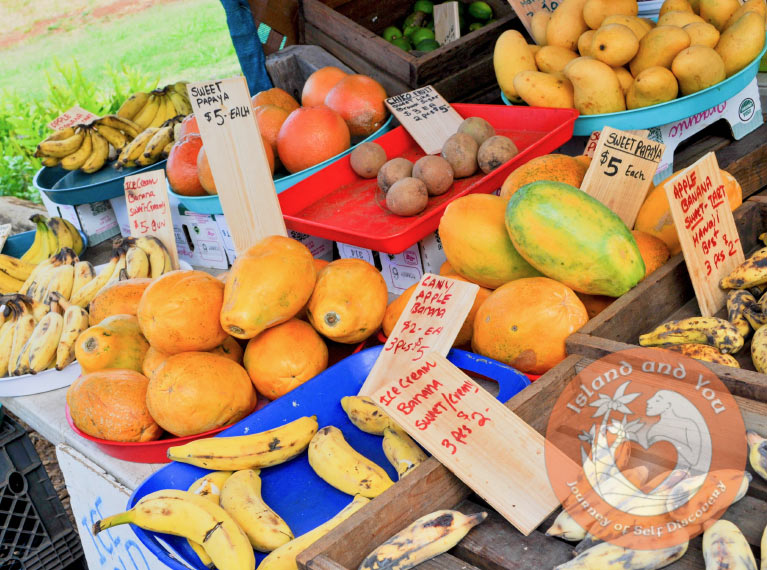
x: 337, y: 204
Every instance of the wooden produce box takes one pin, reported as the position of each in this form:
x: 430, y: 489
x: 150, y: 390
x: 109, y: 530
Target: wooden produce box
x: 667, y: 294
x: 351, y: 30
x: 495, y: 544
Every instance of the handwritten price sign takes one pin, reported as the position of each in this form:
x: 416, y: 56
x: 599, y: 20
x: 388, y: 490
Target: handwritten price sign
x: 426, y: 115
x: 71, y: 117
x: 480, y: 440
x: 447, y: 23
x: 706, y: 228
x: 146, y: 195
x: 430, y: 322
x: 621, y: 172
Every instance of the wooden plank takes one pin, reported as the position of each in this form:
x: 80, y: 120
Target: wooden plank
x: 463, y: 426
x: 447, y: 27
x: 446, y: 562
x: 290, y: 67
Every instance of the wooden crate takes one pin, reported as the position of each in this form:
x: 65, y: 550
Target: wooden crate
x: 495, y: 544
x: 665, y: 295
x: 351, y: 30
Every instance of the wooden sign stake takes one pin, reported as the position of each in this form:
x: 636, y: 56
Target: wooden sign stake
x: 447, y: 24
x: 237, y: 160
x: 706, y: 228
x: 471, y: 433
x: 429, y: 323
x: 621, y: 172
x: 426, y: 115
x: 146, y: 196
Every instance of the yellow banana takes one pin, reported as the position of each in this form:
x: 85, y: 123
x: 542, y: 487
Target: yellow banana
x: 40, y: 250
x: 119, y: 269
x: 83, y: 296
x: 9, y: 285
x: 166, y: 149
x: 365, y: 415
x: 113, y: 136
x: 755, y: 316
x: 757, y: 453
x: 23, y: 328
x: 15, y: 268
x: 121, y: 124
x: 284, y: 557
x: 341, y: 466
x: 696, y: 330
x: 6, y: 344
x: 159, y: 258
x: 180, y: 87
x: 99, y: 154
x: 759, y: 349
x: 153, y: 148
x: 62, y: 281
x: 134, y: 149
x: 40, y: 288
x: 21, y: 366
x: 264, y: 449
x: 84, y: 273
x: 241, y: 498
x: 137, y: 263
x: 705, y: 353
x: 57, y: 228
x: 427, y: 537
x: 751, y: 272
x: 132, y: 105
x: 44, y: 341
x: 61, y: 147
x: 50, y: 161
x: 148, y: 112
x: 76, y: 159
x: 608, y: 555
x: 184, y: 514
x: 724, y: 546
x: 180, y: 102
x: 738, y: 301
x: 208, y: 486
x: 566, y: 528
x: 166, y: 112
x: 401, y: 451
x: 75, y: 321
x: 78, y: 246
x: 61, y: 134
x: 682, y: 501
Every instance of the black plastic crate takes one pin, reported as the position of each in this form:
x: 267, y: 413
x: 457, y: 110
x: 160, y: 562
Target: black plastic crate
x: 35, y: 533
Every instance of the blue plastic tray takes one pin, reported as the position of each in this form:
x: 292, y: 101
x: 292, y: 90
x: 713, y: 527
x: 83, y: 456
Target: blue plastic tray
x: 664, y: 113
x: 17, y: 245
x: 212, y: 205
x: 75, y: 187
x: 292, y: 489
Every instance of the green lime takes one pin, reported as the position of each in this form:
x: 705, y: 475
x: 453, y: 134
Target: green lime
x: 474, y: 26
x: 421, y: 35
x: 480, y: 10
x: 402, y: 43
x: 427, y: 45
x: 425, y: 6
x: 409, y: 31
x: 392, y: 33
x: 417, y: 19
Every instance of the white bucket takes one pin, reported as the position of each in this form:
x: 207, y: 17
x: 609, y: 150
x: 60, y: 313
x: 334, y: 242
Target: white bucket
x: 649, y: 9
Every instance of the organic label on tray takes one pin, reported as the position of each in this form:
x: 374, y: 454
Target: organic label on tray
x: 706, y: 228
x: 447, y: 25
x: 146, y: 197
x: 471, y: 433
x: 621, y: 172
x: 429, y: 323
x: 71, y: 117
x: 426, y: 115
x: 237, y: 160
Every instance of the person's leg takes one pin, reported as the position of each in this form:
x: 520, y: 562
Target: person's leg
x: 244, y: 35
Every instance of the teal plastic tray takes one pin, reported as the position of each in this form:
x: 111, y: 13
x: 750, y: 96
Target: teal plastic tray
x: 212, y: 205
x: 17, y: 245
x: 664, y: 113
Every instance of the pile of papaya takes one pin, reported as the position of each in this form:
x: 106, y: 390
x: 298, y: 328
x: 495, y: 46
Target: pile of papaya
x: 598, y: 56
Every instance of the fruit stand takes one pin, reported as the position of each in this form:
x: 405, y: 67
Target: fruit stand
x: 340, y: 323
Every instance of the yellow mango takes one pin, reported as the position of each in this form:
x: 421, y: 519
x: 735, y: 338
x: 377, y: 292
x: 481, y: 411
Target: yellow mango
x: 538, y: 24
x: 741, y: 43
x: 511, y: 55
x: 534, y: 48
x: 584, y: 43
x: 566, y: 24
x: 639, y: 26
x: 553, y: 58
x: 596, y: 88
x: 758, y: 6
x: 675, y: 6
x: 595, y: 11
x: 614, y: 44
x: 718, y: 12
x: 697, y: 68
x: 659, y: 48
x: 702, y: 34
x: 624, y: 77
x: 652, y: 86
x: 679, y: 18
x: 539, y: 89
x: 695, y: 4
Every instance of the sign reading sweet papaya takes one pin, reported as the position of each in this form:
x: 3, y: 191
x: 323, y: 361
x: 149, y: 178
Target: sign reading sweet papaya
x: 706, y: 228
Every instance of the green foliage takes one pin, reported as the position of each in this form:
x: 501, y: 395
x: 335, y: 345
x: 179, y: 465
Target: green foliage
x: 23, y: 121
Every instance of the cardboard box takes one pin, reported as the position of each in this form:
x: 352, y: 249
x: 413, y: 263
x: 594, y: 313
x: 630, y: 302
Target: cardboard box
x: 97, y: 220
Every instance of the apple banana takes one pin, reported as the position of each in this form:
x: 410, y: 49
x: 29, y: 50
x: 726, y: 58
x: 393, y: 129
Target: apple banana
x: 738, y: 301
x: 757, y: 453
x: 208, y: 486
x: 136, y: 263
x: 76, y: 159
x: 83, y: 296
x: 23, y: 329
x: 696, y: 330
x: 84, y: 273
x: 751, y: 272
x: 99, y: 153
x: 115, y: 137
x: 607, y: 555
x: 704, y: 352
x: 401, y: 451
x: 44, y: 341
x: 159, y: 258
x: 123, y: 124
x: 132, y: 105
x: 58, y: 147
x: 724, y: 546
x: 759, y: 349
x: 365, y: 415
x: 75, y: 322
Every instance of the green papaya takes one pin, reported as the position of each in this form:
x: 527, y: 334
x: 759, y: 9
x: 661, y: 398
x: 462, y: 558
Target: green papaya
x: 573, y: 238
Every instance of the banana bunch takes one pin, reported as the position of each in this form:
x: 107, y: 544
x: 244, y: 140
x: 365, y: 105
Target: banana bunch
x: 51, y: 235
x: 150, y: 145
x: 724, y: 546
x: 712, y: 331
x: 13, y: 273
x: 156, y: 107
x: 57, y: 273
x: 81, y: 147
x: 195, y: 518
x: 427, y: 537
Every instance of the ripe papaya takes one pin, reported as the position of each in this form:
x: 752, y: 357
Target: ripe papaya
x: 573, y: 238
